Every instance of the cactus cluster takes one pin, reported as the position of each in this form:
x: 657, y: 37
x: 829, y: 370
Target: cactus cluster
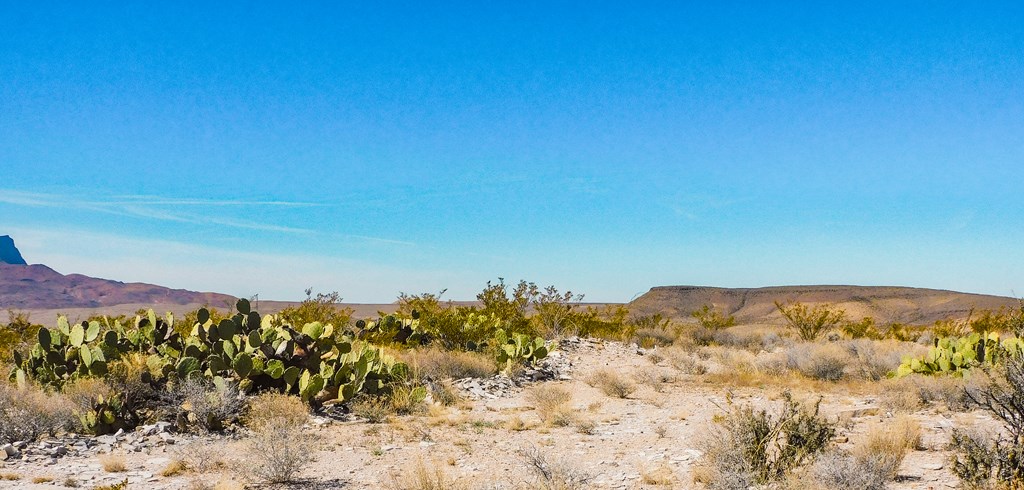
x: 518, y: 348
x: 314, y: 361
x: 957, y: 355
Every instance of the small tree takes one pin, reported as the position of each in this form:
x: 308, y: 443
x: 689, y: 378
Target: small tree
x: 710, y: 318
x: 810, y: 323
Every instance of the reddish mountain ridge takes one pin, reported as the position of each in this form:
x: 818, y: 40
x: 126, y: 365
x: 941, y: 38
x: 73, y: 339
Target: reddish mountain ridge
x: 37, y: 286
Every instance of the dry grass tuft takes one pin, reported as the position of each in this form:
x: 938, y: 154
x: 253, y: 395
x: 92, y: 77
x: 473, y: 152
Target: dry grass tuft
x: 612, y: 384
x: 661, y: 475
x: 10, y: 476
x: 552, y: 404
x: 373, y: 409
x: 423, y: 478
x: 585, y: 426
x: 439, y: 364
x: 202, y: 458
x: 445, y: 393
x: 42, y: 479
x: 269, y: 409
x: 174, y: 468
x: 113, y: 463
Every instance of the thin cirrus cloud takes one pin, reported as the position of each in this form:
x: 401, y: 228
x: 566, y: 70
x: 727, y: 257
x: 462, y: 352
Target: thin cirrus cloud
x: 156, y: 208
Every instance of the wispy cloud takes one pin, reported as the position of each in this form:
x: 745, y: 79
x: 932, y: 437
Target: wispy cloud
x: 163, y: 201
x: 168, y: 209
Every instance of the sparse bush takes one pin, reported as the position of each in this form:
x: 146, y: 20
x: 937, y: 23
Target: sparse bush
x: 17, y: 335
x: 874, y: 360
x: 612, y: 384
x: 910, y: 393
x: 686, y: 363
x: 202, y: 457
x: 810, y: 323
x: 773, y: 364
x: 272, y: 409
x: 863, y: 329
x: 710, y: 318
x: 373, y: 409
x: 405, y: 400
x: 822, y: 362
x: 445, y: 393
x: 278, y: 448
x: 751, y: 447
x: 29, y: 412
x: 205, y: 405
x: 841, y: 470
x: 873, y: 462
x: 584, y: 425
x: 323, y: 308
x: 654, y: 378
x: 554, y: 474
x: 648, y: 338
x: 987, y: 462
x: 552, y: 403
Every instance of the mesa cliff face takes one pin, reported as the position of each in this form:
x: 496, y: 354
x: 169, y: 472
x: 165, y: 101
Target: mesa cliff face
x: 757, y: 305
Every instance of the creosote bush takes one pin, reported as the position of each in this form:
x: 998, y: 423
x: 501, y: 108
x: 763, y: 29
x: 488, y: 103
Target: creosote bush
x: 810, y: 323
x: 712, y: 319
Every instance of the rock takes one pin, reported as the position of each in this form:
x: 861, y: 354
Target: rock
x: 7, y: 451
x: 59, y: 450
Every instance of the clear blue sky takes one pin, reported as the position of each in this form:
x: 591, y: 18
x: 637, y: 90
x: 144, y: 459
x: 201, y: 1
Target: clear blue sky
x: 372, y: 148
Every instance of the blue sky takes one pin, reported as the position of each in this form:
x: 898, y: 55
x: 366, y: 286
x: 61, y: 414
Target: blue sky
x: 376, y: 148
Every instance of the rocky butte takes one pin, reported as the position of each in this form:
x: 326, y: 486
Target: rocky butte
x: 9, y: 254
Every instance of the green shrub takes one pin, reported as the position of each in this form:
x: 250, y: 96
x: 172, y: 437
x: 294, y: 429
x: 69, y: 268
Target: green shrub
x: 810, y: 323
x: 712, y: 319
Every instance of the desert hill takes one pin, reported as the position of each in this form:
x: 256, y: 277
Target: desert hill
x: 757, y: 305
x: 36, y: 286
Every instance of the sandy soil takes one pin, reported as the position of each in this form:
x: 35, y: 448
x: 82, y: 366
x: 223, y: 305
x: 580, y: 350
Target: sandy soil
x: 650, y: 433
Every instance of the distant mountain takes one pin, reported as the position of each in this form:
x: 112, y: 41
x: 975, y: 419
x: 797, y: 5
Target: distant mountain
x: 757, y: 305
x: 9, y: 254
x: 37, y: 286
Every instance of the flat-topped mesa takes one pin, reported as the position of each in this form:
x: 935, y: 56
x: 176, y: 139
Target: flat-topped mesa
x: 757, y: 305
x: 9, y: 254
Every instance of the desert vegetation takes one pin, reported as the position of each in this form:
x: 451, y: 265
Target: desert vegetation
x: 263, y: 377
